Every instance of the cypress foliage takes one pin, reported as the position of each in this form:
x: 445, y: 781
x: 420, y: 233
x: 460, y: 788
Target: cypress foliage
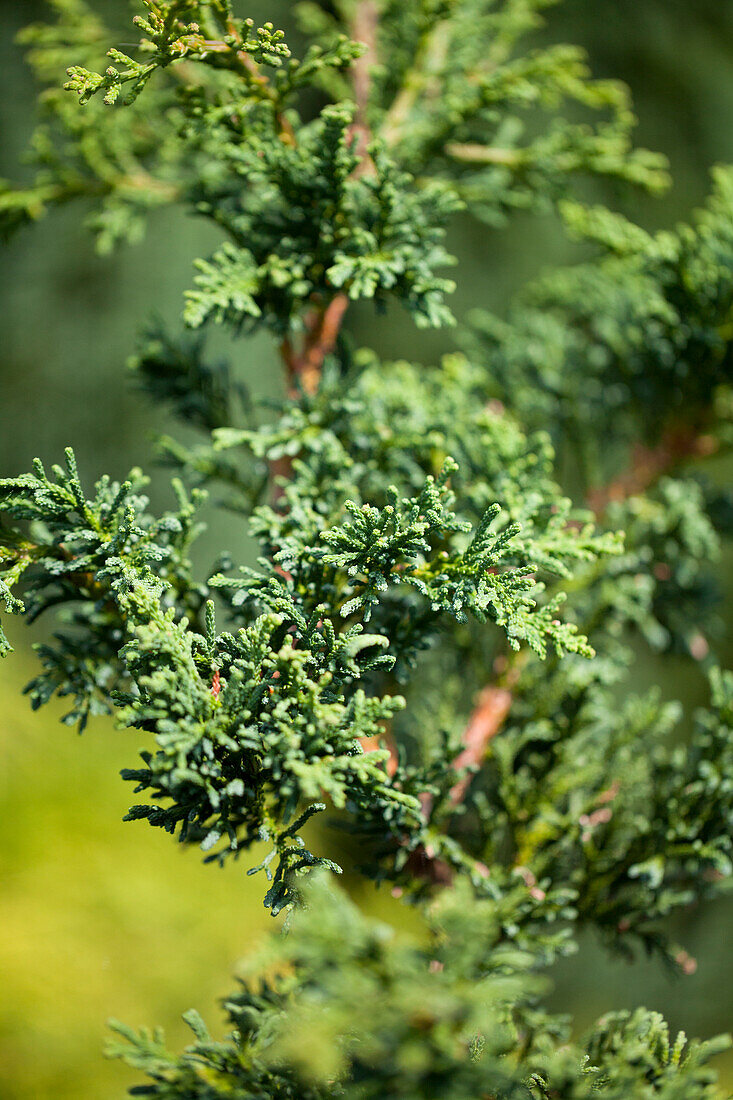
x: 435, y: 641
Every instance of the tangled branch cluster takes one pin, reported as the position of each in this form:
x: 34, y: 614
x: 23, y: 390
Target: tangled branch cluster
x: 434, y: 643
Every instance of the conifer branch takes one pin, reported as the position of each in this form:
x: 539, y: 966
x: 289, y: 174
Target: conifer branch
x: 647, y: 466
x: 323, y: 324
x: 473, y: 153
x: 419, y: 528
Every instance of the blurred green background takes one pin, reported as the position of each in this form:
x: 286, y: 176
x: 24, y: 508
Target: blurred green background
x: 98, y: 918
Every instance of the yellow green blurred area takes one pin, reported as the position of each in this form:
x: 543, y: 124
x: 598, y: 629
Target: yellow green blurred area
x: 97, y: 917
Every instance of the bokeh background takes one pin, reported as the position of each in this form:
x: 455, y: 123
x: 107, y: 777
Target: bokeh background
x: 99, y: 918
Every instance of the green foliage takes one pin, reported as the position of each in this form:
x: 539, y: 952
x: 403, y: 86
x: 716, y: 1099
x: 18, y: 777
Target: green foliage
x: 642, y: 335
x: 169, y: 37
x: 236, y: 759
x: 106, y: 561
x: 409, y: 542
x: 413, y: 538
x: 229, y: 140
x: 585, y: 832
x: 438, y: 1016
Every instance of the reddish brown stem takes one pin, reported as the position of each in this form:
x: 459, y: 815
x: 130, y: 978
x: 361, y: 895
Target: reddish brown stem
x: 322, y: 329
x: 304, y: 366
x: 489, y: 715
x: 364, y: 28
x: 648, y: 464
